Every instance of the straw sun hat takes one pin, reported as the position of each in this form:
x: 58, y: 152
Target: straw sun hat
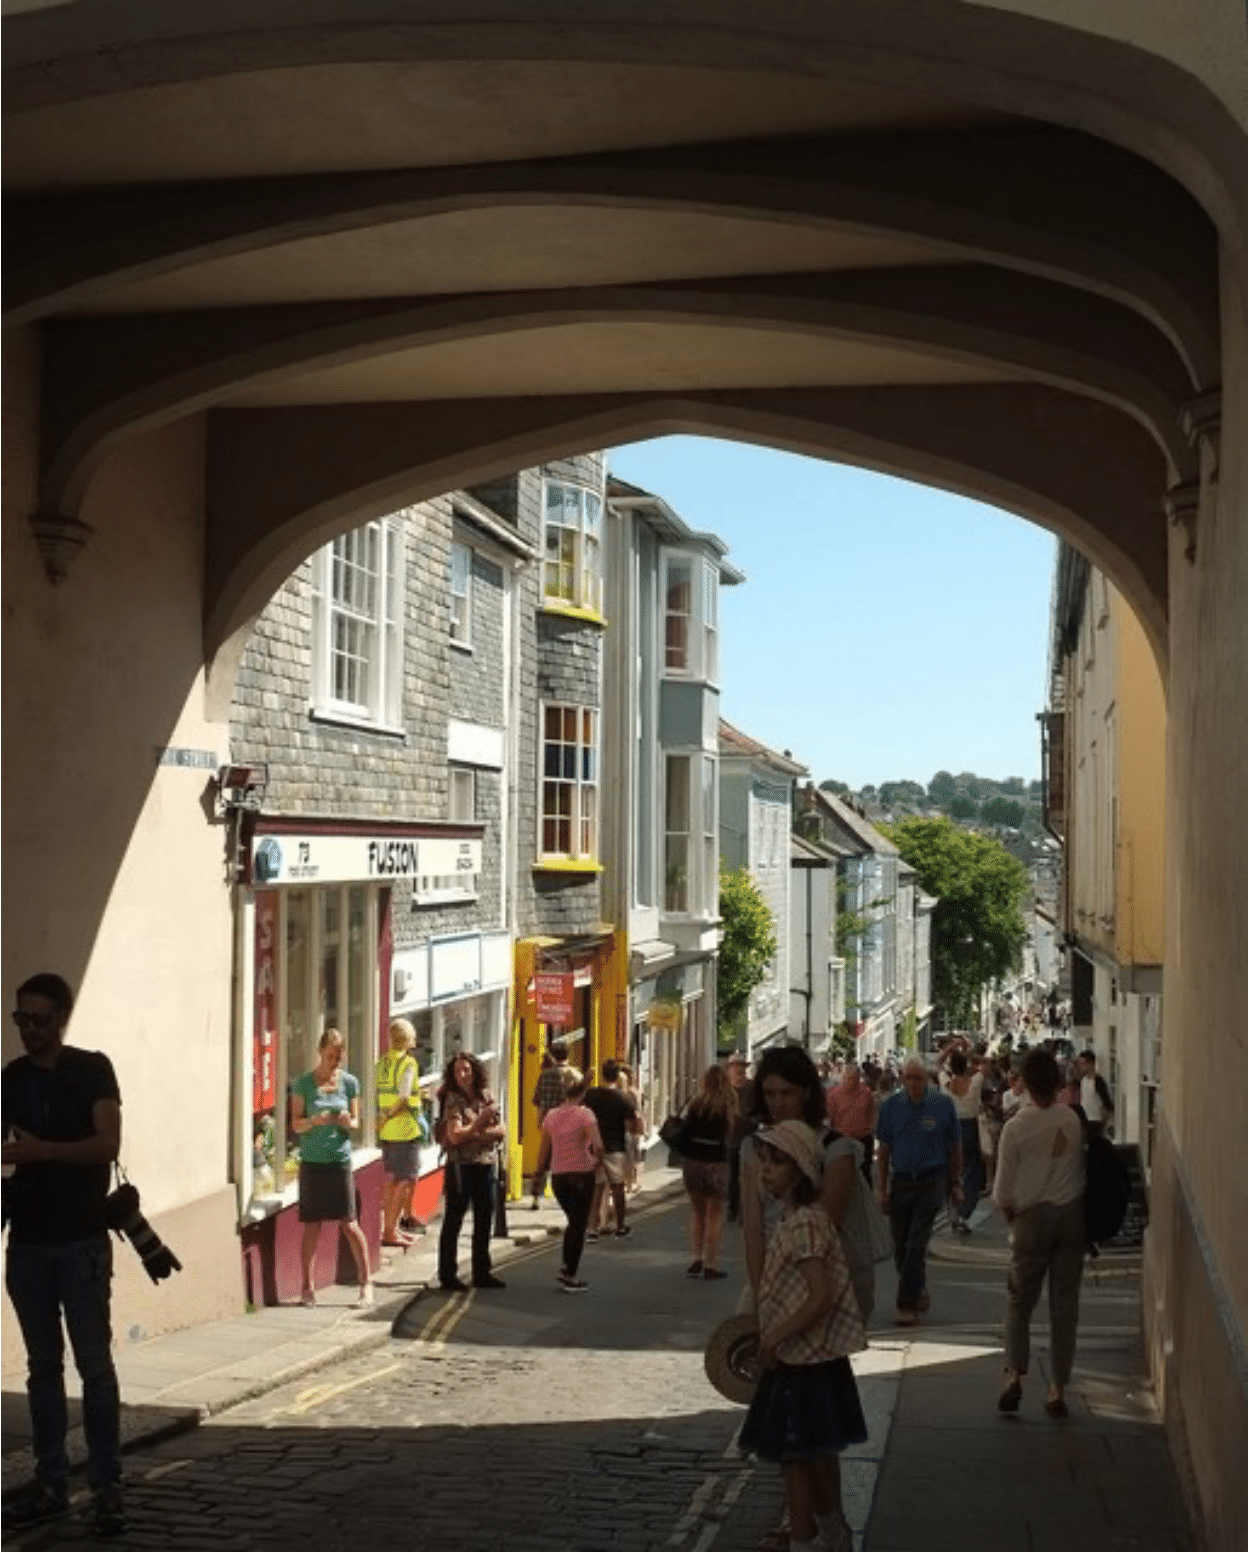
x: 732, y: 1358
x: 800, y: 1142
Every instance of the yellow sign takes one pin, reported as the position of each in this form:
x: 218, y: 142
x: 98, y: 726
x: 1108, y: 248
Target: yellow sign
x: 664, y: 1016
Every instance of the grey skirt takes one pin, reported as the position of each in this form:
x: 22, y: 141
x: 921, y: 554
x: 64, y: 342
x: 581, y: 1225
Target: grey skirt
x: 326, y: 1193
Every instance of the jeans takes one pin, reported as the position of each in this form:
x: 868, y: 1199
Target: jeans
x: 574, y: 1192
x: 972, y: 1167
x: 73, y: 1278
x: 475, y: 1184
x: 1045, y: 1238
x: 915, y: 1205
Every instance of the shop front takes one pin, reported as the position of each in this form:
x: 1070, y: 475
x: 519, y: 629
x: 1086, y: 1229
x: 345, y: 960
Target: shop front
x: 314, y: 950
x: 673, y: 1042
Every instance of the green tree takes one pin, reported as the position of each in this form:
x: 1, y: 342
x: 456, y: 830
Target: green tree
x: 977, y: 928
x: 942, y: 787
x: 831, y: 785
x: 1002, y: 811
x: 747, y: 946
x: 962, y: 807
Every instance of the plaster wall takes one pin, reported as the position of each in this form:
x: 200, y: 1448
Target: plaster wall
x: 1196, y: 1290
x: 115, y: 868
x: 1141, y: 767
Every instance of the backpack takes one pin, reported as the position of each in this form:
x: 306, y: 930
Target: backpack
x: 1107, y: 1191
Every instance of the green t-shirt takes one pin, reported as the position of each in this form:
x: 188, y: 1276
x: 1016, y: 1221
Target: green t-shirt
x: 326, y: 1145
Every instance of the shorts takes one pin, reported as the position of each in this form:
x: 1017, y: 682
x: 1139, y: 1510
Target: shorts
x: 612, y: 1169
x: 326, y: 1193
x: 401, y: 1158
x: 706, y: 1178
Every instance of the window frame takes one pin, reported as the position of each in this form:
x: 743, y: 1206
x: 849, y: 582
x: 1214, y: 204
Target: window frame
x: 381, y: 623
x: 701, y: 835
x: 699, y: 624
x: 581, y: 555
x: 582, y: 819
x: 460, y: 618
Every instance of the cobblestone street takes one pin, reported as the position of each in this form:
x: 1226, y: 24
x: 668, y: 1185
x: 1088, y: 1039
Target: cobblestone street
x: 531, y: 1419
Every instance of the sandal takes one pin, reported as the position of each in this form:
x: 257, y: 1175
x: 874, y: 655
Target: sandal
x: 1009, y: 1399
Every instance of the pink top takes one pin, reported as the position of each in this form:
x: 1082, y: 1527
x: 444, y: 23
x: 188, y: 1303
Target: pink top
x: 852, y: 1113
x: 572, y: 1129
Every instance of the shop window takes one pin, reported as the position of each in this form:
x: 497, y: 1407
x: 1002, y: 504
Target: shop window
x: 572, y: 547
x: 315, y: 969
x: 570, y: 782
x: 357, y: 626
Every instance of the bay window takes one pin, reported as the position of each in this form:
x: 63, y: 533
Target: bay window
x: 690, y: 617
x: 572, y: 547
x: 690, y: 840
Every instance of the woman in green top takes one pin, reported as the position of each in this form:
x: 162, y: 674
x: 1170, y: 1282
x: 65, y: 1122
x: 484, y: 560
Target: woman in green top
x: 325, y: 1111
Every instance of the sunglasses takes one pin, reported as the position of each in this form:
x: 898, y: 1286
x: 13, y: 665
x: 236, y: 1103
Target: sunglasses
x: 25, y: 1021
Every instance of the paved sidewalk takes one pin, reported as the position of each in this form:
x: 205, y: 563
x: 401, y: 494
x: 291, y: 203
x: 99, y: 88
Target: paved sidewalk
x: 170, y: 1383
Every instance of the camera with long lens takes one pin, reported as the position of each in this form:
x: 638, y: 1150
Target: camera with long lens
x: 123, y: 1215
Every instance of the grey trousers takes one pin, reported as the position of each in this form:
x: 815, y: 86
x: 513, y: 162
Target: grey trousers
x: 1045, y: 1239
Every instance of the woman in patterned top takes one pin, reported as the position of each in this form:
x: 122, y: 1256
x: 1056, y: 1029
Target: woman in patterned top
x: 806, y: 1408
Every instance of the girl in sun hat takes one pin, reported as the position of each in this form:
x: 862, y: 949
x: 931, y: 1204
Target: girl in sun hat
x: 806, y: 1408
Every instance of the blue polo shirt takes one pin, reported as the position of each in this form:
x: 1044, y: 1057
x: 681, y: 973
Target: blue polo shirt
x: 921, y: 1138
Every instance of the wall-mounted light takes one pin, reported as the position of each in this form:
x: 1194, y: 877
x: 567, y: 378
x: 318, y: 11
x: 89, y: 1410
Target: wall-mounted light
x: 243, y: 787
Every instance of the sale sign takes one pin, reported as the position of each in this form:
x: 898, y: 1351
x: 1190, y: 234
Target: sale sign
x: 554, y: 992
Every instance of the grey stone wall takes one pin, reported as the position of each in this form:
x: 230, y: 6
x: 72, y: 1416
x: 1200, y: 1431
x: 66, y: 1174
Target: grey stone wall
x: 323, y: 768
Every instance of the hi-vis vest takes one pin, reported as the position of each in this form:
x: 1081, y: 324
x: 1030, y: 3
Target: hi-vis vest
x: 404, y: 1127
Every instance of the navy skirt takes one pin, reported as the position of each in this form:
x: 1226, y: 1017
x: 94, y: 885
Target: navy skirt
x: 801, y: 1411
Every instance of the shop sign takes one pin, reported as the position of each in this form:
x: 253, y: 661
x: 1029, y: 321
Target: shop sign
x: 322, y: 859
x: 264, y: 1048
x: 554, y: 993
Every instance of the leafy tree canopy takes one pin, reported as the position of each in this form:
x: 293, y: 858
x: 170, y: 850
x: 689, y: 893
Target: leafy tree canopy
x: 1002, y: 811
x: 747, y: 944
x: 942, y: 787
x: 839, y: 789
x: 962, y: 807
x: 978, y: 928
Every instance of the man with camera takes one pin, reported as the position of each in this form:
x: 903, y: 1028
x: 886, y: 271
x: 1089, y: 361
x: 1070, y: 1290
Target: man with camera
x: 62, y: 1129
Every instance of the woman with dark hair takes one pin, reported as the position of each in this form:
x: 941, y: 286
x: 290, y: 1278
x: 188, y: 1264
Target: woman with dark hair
x: 787, y: 1088
x: 709, y: 1119
x: 473, y: 1132
x: 1039, y: 1189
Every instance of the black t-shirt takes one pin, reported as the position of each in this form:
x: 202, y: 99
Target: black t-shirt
x: 54, y: 1202
x: 613, y: 1108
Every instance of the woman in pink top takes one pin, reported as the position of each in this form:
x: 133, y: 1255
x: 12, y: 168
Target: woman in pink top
x: 571, y: 1148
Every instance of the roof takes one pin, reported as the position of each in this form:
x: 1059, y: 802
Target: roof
x: 733, y: 742
x: 669, y: 525
x: 856, y: 824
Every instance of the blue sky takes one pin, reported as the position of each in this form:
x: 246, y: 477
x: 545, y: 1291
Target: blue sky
x: 884, y: 630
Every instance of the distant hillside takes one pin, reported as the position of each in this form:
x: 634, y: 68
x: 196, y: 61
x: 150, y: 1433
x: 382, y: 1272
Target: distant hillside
x: 982, y: 803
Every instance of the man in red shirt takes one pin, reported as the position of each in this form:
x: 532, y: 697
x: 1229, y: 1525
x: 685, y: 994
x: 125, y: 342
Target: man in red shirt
x: 852, y: 1110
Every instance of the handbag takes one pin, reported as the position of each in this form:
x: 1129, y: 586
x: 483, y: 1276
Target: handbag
x: 675, y: 1133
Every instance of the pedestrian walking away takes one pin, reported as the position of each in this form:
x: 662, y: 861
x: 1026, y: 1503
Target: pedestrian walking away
x: 553, y: 1082
x: 709, y: 1119
x: 806, y: 1408
x: 472, y: 1131
x: 964, y: 1086
x: 616, y: 1113
x: 1039, y: 1189
x: 918, y: 1165
x: 62, y: 1128
x: 571, y: 1148
x: 324, y: 1113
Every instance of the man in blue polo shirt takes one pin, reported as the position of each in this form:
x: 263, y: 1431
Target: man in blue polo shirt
x: 918, y: 1163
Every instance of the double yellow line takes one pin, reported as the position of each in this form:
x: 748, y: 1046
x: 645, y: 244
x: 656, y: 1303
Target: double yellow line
x: 434, y: 1333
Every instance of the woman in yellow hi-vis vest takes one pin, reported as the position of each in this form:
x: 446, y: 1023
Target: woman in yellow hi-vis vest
x: 399, y: 1128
